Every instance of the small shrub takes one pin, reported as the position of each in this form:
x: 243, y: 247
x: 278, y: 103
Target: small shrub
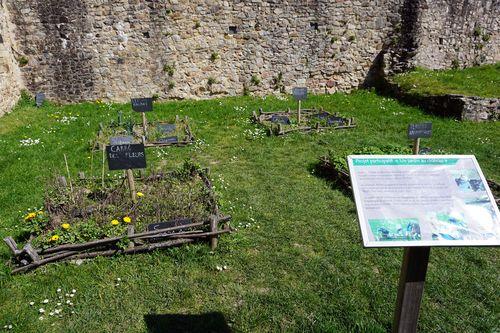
x: 214, y: 56
x: 333, y: 40
x: 477, y: 31
x: 246, y: 91
x: 486, y: 38
x: 197, y: 25
x: 22, y: 61
x: 169, y: 69
x: 352, y: 38
x: 211, y: 81
x: 156, y: 97
x: 171, y: 85
x: 255, y: 80
x: 455, y: 64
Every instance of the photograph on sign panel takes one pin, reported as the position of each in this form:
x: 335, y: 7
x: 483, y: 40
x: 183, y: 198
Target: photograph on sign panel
x: 395, y: 229
x: 468, y: 180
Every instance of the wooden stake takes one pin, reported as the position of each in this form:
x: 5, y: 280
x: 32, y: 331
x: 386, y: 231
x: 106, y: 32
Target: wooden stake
x: 416, y: 146
x: 144, y: 124
x: 411, y: 288
x: 131, y: 185
x: 298, y: 113
x: 213, y: 228
x: 69, y: 175
x: 103, y: 158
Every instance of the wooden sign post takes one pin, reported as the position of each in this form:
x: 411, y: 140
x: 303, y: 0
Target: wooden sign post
x: 127, y: 157
x: 143, y: 105
x: 415, y: 262
x: 300, y: 94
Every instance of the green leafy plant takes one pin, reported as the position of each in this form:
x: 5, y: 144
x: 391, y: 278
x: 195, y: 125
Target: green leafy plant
x: 22, y: 61
x: 214, y: 56
x: 211, y: 81
x: 169, y: 69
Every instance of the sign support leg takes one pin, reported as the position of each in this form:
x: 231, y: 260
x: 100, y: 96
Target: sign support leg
x: 416, y: 146
x: 131, y: 184
x: 298, y: 113
x: 411, y: 288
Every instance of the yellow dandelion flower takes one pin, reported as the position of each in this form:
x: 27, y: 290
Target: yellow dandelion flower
x: 115, y: 222
x: 127, y: 219
x: 30, y: 216
x: 140, y: 194
x: 65, y: 226
x: 39, y: 212
x: 54, y: 238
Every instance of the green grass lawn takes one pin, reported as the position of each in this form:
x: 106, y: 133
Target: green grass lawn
x: 296, y: 262
x: 483, y: 81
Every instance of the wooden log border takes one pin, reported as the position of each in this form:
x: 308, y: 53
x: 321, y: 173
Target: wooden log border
x: 264, y: 119
x: 187, y: 130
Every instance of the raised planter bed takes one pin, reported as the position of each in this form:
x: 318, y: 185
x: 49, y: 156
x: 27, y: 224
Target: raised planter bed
x: 84, y: 219
x: 158, y: 134
x: 312, y: 120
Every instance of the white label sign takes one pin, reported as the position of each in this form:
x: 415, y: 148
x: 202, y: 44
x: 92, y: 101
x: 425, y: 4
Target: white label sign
x: 431, y: 200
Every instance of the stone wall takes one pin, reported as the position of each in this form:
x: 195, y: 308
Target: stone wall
x: 10, y: 78
x: 459, y: 33
x: 116, y: 49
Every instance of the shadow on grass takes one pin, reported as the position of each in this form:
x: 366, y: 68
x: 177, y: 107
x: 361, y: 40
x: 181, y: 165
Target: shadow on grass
x: 213, y: 322
x: 324, y: 171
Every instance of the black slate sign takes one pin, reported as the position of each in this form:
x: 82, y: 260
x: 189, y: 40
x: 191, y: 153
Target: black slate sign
x: 170, y: 224
x: 280, y: 120
x: 122, y: 157
x: 39, y: 99
x: 300, y: 93
x: 121, y: 140
x: 321, y: 115
x: 335, y: 121
x: 423, y: 130
x: 169, y: 139
x: 142, y: 104
x: 166, y: 128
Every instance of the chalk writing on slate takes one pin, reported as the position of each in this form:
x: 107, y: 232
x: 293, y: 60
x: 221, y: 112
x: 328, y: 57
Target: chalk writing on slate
x: 170, y: 224
x: 169, y: 139
x: 299, y: 93
x: 122, y: 157
x: 142, y: 104
x: 121, y: 140
x: 166, y: 128
x: 335, y: 121
x: 423, y: 130
x: 39, y: 99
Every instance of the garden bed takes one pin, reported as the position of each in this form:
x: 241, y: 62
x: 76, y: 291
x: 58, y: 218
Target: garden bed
x: 86, y: 218
x: 335, y: 167
x: 311, y: 120
x: 158, y: 134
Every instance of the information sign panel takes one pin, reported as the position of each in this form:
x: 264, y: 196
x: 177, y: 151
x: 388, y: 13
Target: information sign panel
x: 431, y: 200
